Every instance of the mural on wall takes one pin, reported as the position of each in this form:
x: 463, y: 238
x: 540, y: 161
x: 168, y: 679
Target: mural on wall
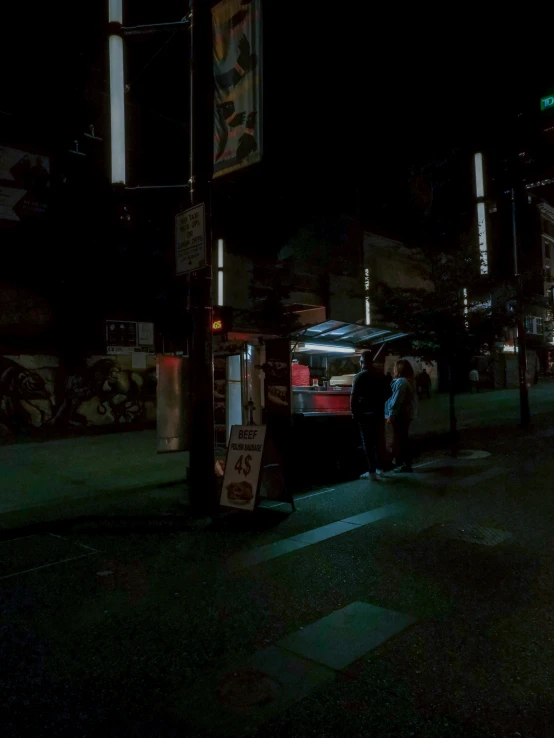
x: 36, y: 396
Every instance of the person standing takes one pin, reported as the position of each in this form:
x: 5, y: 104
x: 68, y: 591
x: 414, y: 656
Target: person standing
x: 424, y: 385
x: 474, y: 380
x: 400, y: 410
x: 370, y: 390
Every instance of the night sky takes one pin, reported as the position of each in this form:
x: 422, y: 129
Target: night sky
x: 351, y: 95
x: 354, y: 99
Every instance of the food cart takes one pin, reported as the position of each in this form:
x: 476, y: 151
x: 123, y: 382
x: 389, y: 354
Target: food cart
x: 300, y: 388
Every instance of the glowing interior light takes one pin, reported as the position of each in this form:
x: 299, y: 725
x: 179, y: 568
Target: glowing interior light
x: 115, y: 11
x: 220, y: 253
x: 479, y: 181
x: 482, y: 229
x: 367, y: 305
x: 117, y: 109
x: 328, y: 349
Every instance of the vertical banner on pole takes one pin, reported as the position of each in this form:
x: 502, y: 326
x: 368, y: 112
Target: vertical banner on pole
x: 237, y: 60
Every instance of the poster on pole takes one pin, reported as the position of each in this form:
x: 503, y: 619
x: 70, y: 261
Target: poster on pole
x: 237, y: 62
x: 24, y: 185
x: 190, y: 240
x: 243, y: 467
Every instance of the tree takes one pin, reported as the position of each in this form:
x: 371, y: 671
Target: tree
x: 446, y: 320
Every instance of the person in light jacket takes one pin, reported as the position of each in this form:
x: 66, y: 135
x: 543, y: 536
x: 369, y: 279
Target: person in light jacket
x: 400, y: 410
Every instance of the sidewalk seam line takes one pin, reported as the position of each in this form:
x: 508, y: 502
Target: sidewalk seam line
x: 44, y: 566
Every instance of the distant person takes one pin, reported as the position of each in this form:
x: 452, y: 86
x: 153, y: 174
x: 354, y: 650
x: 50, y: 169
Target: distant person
x: 370, y: 390
x: 400, y: 410
x: 474, y: 380
x: 424, y: 385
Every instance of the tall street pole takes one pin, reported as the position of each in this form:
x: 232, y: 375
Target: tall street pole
x: 525, y: 414
x: 202, y: 451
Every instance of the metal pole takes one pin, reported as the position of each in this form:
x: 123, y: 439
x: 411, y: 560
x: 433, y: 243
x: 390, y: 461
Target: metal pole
x: 202, y: 451
x: 514, y: 232
x: 524, y: 411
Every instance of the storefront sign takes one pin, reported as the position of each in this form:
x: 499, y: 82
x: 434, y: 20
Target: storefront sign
x: 243, y: 467
x: 547, y: 103
x: 190, y: 240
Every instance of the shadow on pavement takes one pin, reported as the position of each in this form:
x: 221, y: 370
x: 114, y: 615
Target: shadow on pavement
x: 261, y: 519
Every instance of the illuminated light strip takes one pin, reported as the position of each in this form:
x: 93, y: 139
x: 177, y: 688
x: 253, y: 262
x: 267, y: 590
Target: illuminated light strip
x: 117, y: 109
x: 466, y: 310
x: 479, y: 179
x: 482, y: 229
x: 330, y: 349
x: 481, y: 218
x: 367, y: 305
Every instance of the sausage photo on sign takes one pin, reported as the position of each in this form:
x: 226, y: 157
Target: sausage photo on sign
x: 240, y: 493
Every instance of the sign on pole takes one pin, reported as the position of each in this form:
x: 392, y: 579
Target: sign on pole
x: 243, y: 467
x: 237, y: 60
x: 190, y: 240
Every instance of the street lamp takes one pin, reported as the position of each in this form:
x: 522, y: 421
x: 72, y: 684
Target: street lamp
x: 117, y: 94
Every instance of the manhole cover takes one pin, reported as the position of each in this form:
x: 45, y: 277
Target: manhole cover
x: 481, y: 534
x: 472, y: 454
x: 246, y: 688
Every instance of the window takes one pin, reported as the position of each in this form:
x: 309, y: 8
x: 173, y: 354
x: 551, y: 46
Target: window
x: 548, y: 227
x: 529, y: 324
x: 539, y: 325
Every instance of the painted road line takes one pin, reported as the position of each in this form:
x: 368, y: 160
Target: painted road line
x: 20, y: 538
x: 44, y: 566
x: 308, y: 538
x: 325, y: 531
x: 236, y: 701
x: 371, y: 516
x: 264, y: 553
x: 301, y: 498
x: 345, y: 635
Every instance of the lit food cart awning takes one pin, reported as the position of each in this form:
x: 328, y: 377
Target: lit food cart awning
x: 345, y: 335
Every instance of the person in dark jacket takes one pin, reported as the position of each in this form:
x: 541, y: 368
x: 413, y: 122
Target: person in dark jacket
x: 370, y: 390
x: 400, y: 410
x: 423, y: 383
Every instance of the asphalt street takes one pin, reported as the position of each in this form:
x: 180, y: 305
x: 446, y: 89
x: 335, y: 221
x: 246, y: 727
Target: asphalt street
x: 418, y: 606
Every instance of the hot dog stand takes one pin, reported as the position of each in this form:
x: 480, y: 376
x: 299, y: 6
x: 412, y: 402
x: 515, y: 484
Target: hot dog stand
x: 299, y: 387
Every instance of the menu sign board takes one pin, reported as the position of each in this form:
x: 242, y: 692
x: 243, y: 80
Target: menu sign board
x: 278, y: 381
x: 243, y: 467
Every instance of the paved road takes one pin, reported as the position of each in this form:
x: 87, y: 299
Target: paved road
x: 418, y: 606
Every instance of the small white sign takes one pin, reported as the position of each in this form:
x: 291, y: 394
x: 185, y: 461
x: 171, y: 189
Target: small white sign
x: 138, y: 360
x: 145, y: 334
x: 190, y: 240
x: 243, y: 466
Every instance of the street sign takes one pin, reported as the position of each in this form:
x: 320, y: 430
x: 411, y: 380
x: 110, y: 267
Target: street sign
x: 190, y: 239
x: 243, y: 466
x: 126, y: 336
x: 121, y: 333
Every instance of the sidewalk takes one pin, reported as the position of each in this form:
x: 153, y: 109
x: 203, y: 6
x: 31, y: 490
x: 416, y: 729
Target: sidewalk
x: 69, y: 472
x: 59, y: 478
